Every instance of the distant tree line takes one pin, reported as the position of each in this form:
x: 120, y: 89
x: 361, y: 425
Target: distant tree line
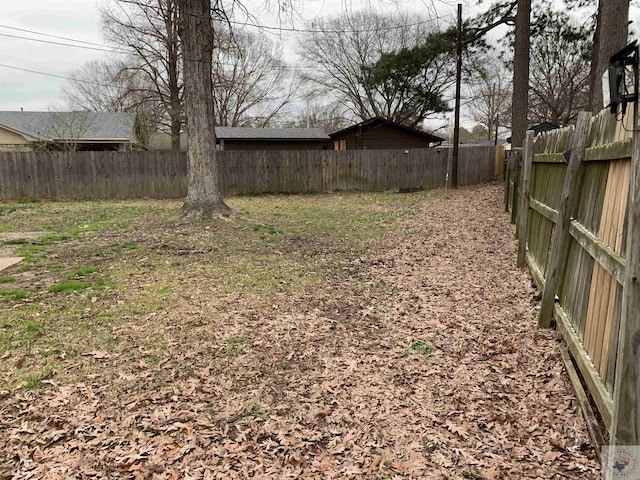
x: 357, y: 65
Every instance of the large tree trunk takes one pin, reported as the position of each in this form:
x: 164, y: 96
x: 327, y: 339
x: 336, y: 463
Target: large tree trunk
x: 610, y: 36
x: 520, y: 102
x: 175, y: 105
x: 204, y: 198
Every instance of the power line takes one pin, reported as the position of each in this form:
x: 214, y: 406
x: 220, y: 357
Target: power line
x: 64, y: 44
x: 311, y: 30
x: 54, y: 36
x: 59, y: 76
x: 105, y: 48
x: 111, y: 85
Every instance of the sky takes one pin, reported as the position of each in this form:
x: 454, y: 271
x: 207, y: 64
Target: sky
x: 76, y: 19
x: 79, y: 20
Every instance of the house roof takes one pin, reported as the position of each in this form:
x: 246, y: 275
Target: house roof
x: 82, y: 126
x: 247, y: 133
x: 539, y: 128
x: 162, y: 141
x: 543, y: 127
x: 379, y: 121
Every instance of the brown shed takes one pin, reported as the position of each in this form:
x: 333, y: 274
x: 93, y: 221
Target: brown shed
x: 245, y: 138
x: 378, y: 133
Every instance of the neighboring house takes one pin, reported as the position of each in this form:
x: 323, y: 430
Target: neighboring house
x: 28, y: 131
x: 245, y: 138
x: 543, y: 127
x: 540, y: 128
x: 378, y: 133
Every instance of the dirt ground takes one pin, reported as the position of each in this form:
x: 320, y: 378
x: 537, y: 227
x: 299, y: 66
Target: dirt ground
x: 417, y: 358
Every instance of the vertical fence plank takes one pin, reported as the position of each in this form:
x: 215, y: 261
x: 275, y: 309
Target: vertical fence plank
x: 525, y: 190
x: 507, y: 180
x: 515, y: 192
x: 625, y: 428
x: 559, y: 250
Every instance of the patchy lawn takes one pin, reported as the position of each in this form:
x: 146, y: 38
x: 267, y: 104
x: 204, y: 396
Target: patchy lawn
x: 324, y: 336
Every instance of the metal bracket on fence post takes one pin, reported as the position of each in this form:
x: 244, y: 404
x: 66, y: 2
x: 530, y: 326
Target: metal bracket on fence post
x: 568, y: 203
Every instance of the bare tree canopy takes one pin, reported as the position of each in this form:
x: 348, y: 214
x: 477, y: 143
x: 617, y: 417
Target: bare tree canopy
x: 343, y: 49
x: 252, y: 84
x: 328, y: 117
x: 490, y: 94
x: 149, y: 29
x: 98, y: 85
x: 559, y: 81
x: 112, y: 86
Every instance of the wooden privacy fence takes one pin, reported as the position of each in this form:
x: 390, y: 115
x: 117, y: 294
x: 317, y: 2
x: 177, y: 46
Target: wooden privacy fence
x: 569, y: 193
x: 163, y: 174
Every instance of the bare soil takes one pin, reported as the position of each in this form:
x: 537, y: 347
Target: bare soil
x: 415, y: 355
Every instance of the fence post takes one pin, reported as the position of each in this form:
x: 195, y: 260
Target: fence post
x: 567, y: 209
x: 625, y: 427
x: 523, y: 207
x: 516, y: 175
x: 507, y: 176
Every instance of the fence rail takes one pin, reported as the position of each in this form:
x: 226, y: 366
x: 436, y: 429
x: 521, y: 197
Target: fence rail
x: 163, y: 174
x: 569, y: 193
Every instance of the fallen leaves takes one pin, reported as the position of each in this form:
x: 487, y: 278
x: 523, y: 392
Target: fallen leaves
x: 420, y: 360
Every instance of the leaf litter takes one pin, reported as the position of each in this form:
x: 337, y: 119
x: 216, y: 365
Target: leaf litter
x: 420, y: 359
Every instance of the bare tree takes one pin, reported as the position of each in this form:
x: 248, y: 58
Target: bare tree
x: 559, y: 70
x: 251, y: 82
x: 149, y: 29
x: 99, y: 86
x: 204, y: 196
x: 490, y: 98
x: 342, y: 51
x: 328, y: 117
x: 112, y: 86
x: 64, y: 131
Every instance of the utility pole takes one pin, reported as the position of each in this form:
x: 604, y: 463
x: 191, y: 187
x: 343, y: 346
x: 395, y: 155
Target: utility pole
x: 456, y: 127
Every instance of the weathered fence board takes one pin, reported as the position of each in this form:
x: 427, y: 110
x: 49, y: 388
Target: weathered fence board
x: 569, y: 201
x: 587, y: 298
x: 163, y: 174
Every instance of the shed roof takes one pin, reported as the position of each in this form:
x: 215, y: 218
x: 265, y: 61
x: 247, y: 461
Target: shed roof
x: 248, y: 133
x: 379, y: 121
x: 81, y: 126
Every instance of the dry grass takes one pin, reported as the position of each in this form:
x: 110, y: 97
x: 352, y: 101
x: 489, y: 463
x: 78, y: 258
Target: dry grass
x: 322, y: 336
